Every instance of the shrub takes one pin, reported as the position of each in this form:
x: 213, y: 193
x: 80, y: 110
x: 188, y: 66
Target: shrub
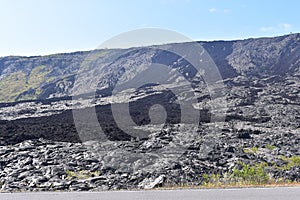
x: 293, y: 161
x: 81, y: 174
x: 270, y: 147
x: 247, y: 175
x: 250, y: 174
x: 251, y: 150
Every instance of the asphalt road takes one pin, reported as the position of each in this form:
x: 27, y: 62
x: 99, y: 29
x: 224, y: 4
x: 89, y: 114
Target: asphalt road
x: 282, y: 193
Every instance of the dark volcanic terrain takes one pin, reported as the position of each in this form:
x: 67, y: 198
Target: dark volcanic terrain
x: 253, y: 139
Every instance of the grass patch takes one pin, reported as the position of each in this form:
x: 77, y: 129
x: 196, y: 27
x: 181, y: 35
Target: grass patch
x: 250, y: 174
x: 244, y: 175
x: 19, y: 83
x: 83, y: 174
x: 35, y: 78
x: 293, y: 161
x: 252, y: 150
x: 12, y: 85
x: 270, y: 147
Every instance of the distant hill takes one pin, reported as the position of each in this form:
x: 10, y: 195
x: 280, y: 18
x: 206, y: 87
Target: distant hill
x: 44, y: 77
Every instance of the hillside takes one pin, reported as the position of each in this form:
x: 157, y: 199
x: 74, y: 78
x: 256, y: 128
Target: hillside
x: 48, y: 139
x: 43, y: 77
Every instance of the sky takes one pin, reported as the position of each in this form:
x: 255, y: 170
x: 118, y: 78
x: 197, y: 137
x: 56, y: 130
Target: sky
x: 40, y: 27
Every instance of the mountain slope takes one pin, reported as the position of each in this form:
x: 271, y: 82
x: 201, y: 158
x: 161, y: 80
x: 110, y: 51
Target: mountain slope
x: 248, y: 132
x: 29, y: 78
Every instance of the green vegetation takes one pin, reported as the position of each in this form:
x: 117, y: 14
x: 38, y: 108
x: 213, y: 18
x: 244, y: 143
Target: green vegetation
x: 253, y: 150
x: 251, y: 174
x: 12, y: 86
x: 255, y: 174
x: 18, y: 82
x: 81, y: 174
x: 270, y: 147
x: 37, y: 75
x: 247, y: 175
x: 212, y: 180
x: 291, y: 162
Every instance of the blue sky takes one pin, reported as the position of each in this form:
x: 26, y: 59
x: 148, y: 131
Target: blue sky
x: 39, y: 27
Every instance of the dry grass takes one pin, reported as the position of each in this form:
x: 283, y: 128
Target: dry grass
x: 228, y: 186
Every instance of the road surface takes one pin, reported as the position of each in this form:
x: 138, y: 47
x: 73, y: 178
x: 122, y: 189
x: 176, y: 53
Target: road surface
x: 280, y: 193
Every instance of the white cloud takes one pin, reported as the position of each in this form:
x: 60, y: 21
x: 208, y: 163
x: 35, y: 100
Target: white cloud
x: 212, y: 10
x: 266, y: 28
x: 215, y: 10
x: 277, y: 28
x: 226, y: 10
x: 285, y: 26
